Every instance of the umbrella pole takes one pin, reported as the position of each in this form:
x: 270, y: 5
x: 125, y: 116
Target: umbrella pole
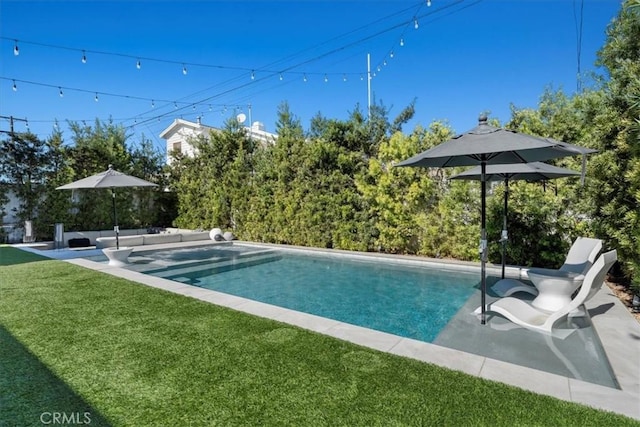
x: 115, y: 217
x: 505, y: 237
x: 483, y: 240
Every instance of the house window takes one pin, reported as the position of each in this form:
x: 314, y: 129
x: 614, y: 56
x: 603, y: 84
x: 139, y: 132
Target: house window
x: 177, y: 146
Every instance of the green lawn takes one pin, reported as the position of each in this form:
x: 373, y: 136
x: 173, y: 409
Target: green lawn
x: 77, y: 341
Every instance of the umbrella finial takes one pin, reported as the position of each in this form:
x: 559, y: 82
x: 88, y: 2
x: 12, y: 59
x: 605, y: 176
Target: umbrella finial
x: 482, y: 120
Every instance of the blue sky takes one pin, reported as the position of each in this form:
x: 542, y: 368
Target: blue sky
x: 466, y: 57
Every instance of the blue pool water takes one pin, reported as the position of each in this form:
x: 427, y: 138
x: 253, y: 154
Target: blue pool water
x: 402, y: 299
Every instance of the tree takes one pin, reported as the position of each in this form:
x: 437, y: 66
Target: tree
x: 23, y: 163
x: 96, y: 148
x: 616, y: 190
x: 214, y: 182
x: 55, y: 205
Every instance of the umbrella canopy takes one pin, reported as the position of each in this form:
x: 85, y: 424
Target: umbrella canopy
x: 492, y: 145
x: 109, y: 179
x: 536, y: 171
x: 484, y: 145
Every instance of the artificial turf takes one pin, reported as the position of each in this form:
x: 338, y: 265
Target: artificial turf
x: 77, y: 341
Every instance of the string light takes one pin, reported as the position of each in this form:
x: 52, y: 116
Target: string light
x: 15, y: 88
x: 176, y: 63
x: 344, y: 77
x: 384, y: 62
x: 60, y: 92
x: 153, y: 104
x: 185, y: 72
x: 184, y: 69
x: 16, y: 50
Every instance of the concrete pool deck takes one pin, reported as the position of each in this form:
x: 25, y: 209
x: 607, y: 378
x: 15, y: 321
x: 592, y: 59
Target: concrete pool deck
x: 616, y: 328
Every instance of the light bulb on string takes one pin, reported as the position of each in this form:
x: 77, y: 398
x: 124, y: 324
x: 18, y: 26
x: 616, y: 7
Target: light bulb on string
x: 361, y: 77
x: 344, y: 77
x: 253, y: 75
x: 138, y: 64
x: 384, y: 62
x: 184, y: 69
x: 415, y: 23
x: 304, y: 77
x: 60, y: 92
x: 428, y: 3
x: 280, y: 76
x: 26, y: 123
x: 15, y: 88
x: 175, y: 105
x: 96, y: 97
x: 378, y: 68
x: 401, y: 42
x: 16, y: 50
x: 84, y: 57
x: 209, y: 107
x: 194, y: 107
x: 391, y: 54
x: 153, y: 104
x: 326, y: 79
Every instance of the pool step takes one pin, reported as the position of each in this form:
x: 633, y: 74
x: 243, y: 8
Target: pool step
x: 157, y: 268
x: 192, y: 272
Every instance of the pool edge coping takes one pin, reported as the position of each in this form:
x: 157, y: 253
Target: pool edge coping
x: 625, y: 401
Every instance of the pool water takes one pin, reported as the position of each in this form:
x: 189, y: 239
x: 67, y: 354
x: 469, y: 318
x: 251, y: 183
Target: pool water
x: 403, y: 299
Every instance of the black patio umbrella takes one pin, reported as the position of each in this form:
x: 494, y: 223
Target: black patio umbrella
x: 485, y: 145
x: 536, y: 171
x: 109, y: 179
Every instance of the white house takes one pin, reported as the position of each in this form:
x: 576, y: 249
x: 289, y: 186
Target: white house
x: 181, y: 132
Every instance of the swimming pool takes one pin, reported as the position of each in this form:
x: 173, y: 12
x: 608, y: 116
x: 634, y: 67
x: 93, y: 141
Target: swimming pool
x: 405, y: 299
x: 393, y: 299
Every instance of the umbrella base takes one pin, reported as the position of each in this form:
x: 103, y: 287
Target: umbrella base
x: 118, y: 257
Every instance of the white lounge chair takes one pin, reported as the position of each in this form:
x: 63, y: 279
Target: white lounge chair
x: 581, y: 256
x: 524, y: 314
